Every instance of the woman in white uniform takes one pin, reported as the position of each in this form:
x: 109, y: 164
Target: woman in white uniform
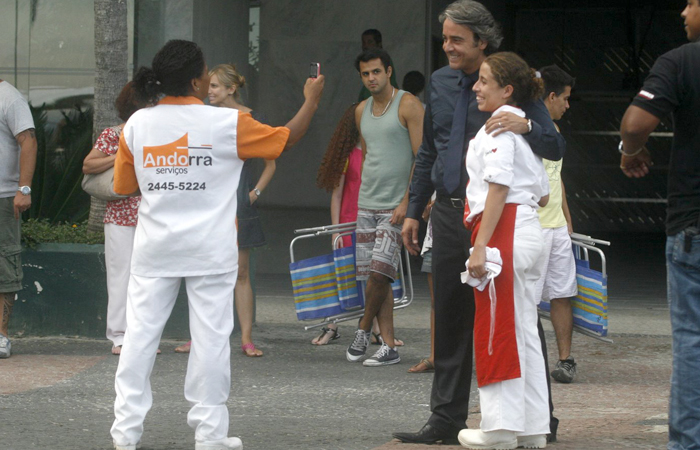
x: 186, y: 159
x: 506, y: 184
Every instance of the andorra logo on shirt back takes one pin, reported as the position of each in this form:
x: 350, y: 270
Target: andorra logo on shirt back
x: 175, y: 157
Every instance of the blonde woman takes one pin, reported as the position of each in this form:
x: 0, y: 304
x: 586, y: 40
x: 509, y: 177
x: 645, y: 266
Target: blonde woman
x: 224, y: 91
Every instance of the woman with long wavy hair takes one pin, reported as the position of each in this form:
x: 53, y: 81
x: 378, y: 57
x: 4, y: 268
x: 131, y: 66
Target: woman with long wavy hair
x: 341, y: 175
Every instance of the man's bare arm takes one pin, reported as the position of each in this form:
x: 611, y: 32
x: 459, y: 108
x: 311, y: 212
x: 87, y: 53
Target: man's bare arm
x: 637, y: 124
x: 313, y: 89
x: 27, y: 162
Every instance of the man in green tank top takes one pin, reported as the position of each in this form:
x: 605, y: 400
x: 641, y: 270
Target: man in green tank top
x: 390, y: 124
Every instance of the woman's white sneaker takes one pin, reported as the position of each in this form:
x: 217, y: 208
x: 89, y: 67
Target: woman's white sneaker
x: 533, y: 441
x: 230, y: 443
x: 489, y: 440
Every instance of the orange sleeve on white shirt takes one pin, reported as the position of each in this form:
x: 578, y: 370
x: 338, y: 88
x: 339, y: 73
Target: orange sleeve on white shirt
x: 257, y: 140
x: 125, y: 182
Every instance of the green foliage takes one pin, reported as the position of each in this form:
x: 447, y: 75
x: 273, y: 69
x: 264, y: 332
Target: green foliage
x: 56, y: 192
x: 40, y: 231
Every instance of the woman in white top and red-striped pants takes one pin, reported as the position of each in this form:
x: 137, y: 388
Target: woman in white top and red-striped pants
x: 506, y: 184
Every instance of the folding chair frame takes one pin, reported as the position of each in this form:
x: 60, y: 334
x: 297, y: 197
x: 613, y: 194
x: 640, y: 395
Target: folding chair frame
x: 344, y: 229
x: 582, y: 245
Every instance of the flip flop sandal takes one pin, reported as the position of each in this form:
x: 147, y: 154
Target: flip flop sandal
x: 427, y: 367
x: 377, y: 339
x: 249, y: 350
x: 325, y: 331
x: 184, y: 348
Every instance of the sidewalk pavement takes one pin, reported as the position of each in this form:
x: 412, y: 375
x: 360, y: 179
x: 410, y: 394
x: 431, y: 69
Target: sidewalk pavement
x: 58, y: 393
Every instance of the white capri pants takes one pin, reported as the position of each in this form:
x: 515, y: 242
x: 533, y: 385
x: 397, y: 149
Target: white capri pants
x: 522, y: 404
x: 119, y: 244
x: 208, y: 378
x: 558, y: 278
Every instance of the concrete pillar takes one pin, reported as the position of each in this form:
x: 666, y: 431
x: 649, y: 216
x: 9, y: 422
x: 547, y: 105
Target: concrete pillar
x: 220, y: 27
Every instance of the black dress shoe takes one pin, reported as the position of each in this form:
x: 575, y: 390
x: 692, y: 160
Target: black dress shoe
x: 428, y: 435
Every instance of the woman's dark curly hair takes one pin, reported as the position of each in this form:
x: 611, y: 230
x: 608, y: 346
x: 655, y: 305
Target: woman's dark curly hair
x: 510, y: 69
x: 174, y: 66
x: 344, y: 139
x: 128, y: 102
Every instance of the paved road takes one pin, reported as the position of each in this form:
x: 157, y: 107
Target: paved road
x: 58, y: 393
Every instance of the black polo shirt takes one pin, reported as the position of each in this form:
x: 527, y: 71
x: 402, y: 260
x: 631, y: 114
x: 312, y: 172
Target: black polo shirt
x: 673, y: 86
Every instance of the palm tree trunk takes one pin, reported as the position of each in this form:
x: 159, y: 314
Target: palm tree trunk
x: 111, y: 57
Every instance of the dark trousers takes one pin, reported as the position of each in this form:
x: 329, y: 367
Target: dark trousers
x: 454, y: 323
x: 454, y: 320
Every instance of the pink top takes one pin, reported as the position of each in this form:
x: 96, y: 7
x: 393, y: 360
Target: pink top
x: 119, y: 212
x: 351, y: 190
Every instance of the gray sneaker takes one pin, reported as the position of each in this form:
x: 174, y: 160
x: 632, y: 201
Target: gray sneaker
x: 384, y: 356
x: 565, y: 370
x: 5, y: 346
x: 359, y: 345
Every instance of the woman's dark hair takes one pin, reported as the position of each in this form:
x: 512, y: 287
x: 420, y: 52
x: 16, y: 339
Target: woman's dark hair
x: 173, y: 67
x: 128, y: 102
x: 510, y: 69
x: 344, y: 139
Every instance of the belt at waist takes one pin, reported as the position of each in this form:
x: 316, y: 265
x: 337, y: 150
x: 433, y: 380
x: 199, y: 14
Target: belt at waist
x: 457, y: 203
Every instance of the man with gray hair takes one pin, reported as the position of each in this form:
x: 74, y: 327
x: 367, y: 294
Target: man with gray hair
x: 452, y: 119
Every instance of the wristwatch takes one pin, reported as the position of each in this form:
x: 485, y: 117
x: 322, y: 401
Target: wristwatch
x: 257, y: 191
x: 24, y: 190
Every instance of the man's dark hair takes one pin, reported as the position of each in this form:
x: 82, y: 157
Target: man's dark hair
x: 414, y: 82
x: 373, y: 53
x: 555, y: 80
x: 374, y: 33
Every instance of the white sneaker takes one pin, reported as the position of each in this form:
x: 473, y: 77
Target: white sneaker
x: 127, y: 447
x: 229, y: 443
x: 5, y: 346
x: 533, y: 441
x: 489, y: 440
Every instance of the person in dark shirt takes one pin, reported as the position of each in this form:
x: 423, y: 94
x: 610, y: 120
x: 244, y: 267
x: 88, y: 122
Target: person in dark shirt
x: 469, y: 34
x: 673, y: 87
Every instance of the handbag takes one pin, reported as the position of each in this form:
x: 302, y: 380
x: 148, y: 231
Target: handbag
x: 101, y: 185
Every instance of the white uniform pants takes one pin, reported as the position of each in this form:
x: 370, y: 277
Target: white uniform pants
x: 208, y: 379
x: 522, y: 404
x: 119, y: 244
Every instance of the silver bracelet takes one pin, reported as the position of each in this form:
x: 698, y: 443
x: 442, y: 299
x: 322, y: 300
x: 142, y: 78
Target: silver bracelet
x: 622, y: 151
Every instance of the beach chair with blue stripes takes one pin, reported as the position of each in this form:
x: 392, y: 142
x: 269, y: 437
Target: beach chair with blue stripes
x: 325, y: 288
x: 590, y: 306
